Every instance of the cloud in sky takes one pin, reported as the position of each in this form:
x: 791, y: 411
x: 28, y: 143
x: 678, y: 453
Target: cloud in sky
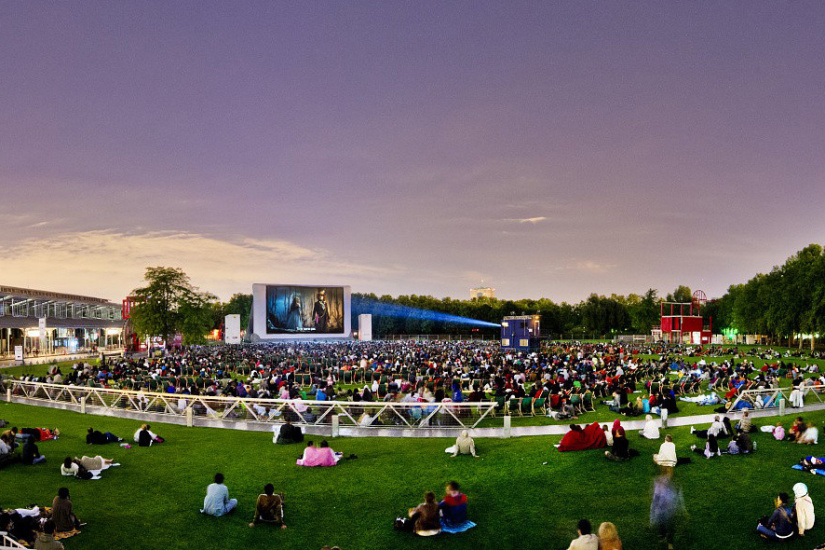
x: 587, y: 266
x: 111, y: 263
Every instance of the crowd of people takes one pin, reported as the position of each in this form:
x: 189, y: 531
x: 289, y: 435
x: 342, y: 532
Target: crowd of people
x: 571, y: 378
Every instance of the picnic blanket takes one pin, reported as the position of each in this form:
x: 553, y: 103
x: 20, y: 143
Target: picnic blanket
x: 66, y: 534
x: 456, y: 527
x: 96, y: 473
x: 813, y: 471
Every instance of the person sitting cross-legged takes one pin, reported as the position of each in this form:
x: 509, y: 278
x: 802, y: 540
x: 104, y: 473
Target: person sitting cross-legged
x: 288, y: 434
x: 780, y: 525
x: 423, y: 519
x: 217, y: 502
x: 31, y: 454
x: 454, y: 510
x: 666, y: 456
x: 269, y: 508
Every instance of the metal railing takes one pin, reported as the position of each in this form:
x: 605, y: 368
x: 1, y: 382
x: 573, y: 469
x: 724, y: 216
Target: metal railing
x: 8, y: 543
x: 361, y: 414
x: 769, y: 397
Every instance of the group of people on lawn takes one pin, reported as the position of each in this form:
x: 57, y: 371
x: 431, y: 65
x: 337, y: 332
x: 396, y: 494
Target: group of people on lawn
x: 43, y: 529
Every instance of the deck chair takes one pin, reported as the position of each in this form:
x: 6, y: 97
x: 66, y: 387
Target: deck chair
x: 527, y: 406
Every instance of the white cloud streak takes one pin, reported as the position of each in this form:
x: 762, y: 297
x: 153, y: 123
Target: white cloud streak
x: 111, y: 263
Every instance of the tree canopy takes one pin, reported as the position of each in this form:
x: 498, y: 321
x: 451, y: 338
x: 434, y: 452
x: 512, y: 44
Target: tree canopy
x: 169, y: 304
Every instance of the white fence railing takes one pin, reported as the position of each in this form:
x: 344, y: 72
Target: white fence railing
x: 769, y: 398
x: 376, y: 415
x: 8, y: 543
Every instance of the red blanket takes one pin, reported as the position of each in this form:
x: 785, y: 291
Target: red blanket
x: 591, y: 437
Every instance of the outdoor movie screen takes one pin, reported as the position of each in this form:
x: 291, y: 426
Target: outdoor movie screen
x: 305, y: 310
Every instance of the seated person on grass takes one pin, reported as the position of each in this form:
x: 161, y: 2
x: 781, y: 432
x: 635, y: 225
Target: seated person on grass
x: 717, y: 428
x: 803, y: 509
x: 454, y: 510
x: 621, y: 447
x: 810, y: 436
x: 742, y: 443
x: 145, y: 437
x: 651, y: 428
x: 464, y: 445
x: 45, y: 540
x: 318, y: 456
x: 796, y: 430
x: 422, y: 520
x: 62, y: 514
x: 217, y: 502
x: 580, y: 439
x: 586, y: 539
x: 667, y: 453
x: 780, y: 525
x: 288, y: 434
x: 10, y: 436
x: 6, y: 453
x: 31, y: 454
x: 269, y: 508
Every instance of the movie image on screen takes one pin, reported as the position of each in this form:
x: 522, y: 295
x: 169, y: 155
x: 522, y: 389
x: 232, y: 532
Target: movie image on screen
x: 304, y: 310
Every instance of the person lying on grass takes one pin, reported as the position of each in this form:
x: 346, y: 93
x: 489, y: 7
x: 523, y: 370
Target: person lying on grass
x: 40, y: 434
x: 94, y: 437
x: 76, y: 466
x: 269, y: 508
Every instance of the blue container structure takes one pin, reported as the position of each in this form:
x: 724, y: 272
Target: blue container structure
x: 520, y: 332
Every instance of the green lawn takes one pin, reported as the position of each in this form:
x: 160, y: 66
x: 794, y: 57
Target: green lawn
x: 43, y: 370
x: 151, y: 501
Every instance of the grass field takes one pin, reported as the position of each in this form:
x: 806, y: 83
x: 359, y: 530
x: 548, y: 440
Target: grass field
x: 152, y: 500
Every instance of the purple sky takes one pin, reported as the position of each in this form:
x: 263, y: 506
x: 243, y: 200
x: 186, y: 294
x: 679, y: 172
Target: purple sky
x: 545, y: 148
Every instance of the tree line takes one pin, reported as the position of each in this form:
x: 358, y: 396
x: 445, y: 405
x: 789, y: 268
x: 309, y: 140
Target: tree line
x: 783, y: 304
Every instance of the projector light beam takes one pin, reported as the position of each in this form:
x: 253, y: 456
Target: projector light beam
x: 377, y: 309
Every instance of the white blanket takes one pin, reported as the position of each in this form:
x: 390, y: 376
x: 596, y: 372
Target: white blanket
x: 96, y: 473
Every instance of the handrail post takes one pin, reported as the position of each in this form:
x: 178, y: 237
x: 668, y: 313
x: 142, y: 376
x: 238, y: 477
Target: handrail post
x: 335, y: 425
x: 507, y: 427
x: 83, y: 405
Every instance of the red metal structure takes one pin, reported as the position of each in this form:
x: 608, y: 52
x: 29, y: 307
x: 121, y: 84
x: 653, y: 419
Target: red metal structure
x: 682, y: 323
x: 133, y: 343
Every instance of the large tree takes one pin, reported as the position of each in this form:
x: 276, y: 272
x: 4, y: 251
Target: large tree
x: 169, y: 304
